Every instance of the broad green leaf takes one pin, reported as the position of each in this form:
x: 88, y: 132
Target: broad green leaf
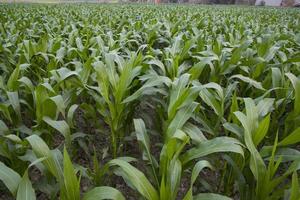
x: 197, y: 69
x: 71, y: 189
x: 79, y: 44
x: 212, y: 101
x: 60, y: 126
x: 70, y: 115
x: 27, y: 82
x: 292, y: 138
x: 126, y: 77
x: 261, y: 131
x: 159, y: 64
x: 174, y: 177
x: 194, y: 132
x: 62, y: 74
x: 15, y: 102
x: 41, y: 150
x: 148, y: 87
x: 265, y: 106
x: 136, y: 178
x: 12, y: 83
x: 238, y: 131
x: 296, y: 84
x: 13, y: 138
x: 195, y: 173
x: 3, y: 128
x: 216, y: 145
x: 25, y: 189
x: 143, y: 139
x: 210, y: 196
x: 178, y: 91
x: 181, y: 118
x: 10, y: 178
x: 59, y: 102
x: 252, y: 82
x: 103, y: 192
x: 257, y: 164
x: 5, y: 111
x: 295, y: 189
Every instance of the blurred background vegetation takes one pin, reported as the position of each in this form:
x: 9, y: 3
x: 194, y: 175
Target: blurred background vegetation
x: 277, y: 3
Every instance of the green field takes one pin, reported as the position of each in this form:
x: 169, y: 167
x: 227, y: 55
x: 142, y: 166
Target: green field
x: 137, y: 101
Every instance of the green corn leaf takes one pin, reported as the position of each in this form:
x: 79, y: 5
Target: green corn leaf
x: 144, y: 140
x: 261, y: 130
x: 237, y: 130
x: 71, y: 188
x: 295, y: 189
x: 195, y: 173
x: 25, y: 189
x: 3, y: 128
x: 248, y: 80
x: 12, y: 83
x: 159, y: 64
x: 296, y: 84
x: 237, y: 52
x: 136, y: 178
x: 177, y: 93
x: 276, y: 77
x: 265, y: 106
x: 211, y: 100
x: 10, y: 178
x: 27, y: 82
x: 173, y: 177
x: 125, y: 79
x: 216, y: 145
x: 13, y: 138
x: 194, y: 132
x: 148, y: 87
x: 181, y: 118
x: 292, y: 138
x: 62, y: 74
x: 210, y: 196
x: 5, y: 111
x: 59, y: 102
x: 257, y: 164
x: 70, y: 115
x: 15, y: 102
x: 79, y: 44
x: 103, y: 192
x: 294, y: 59
x: 41, y: 150
x: 102, y: 79
x: 111, y: 69
x: 60, y: 126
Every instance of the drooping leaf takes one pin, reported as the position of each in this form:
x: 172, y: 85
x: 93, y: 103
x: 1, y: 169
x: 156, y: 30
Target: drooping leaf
x: 216, y: 145
x: 10, y: 178
x: 136, y: 178
x: 60, y: 126
x: 248, y: 80
x: 195, y: 173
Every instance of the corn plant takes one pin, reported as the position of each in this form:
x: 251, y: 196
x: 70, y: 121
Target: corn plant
x: 168, y: 171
